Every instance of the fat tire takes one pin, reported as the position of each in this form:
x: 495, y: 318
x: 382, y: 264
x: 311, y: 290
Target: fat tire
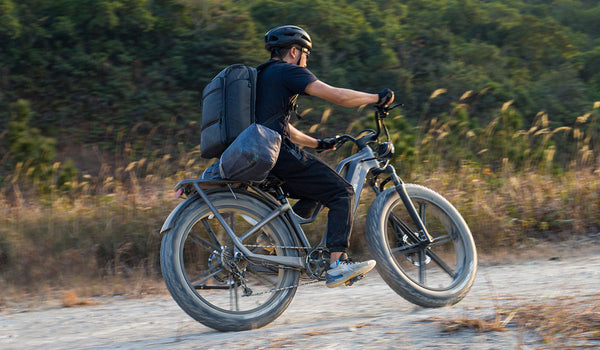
x: 390, y: 271
x: 185, y: 295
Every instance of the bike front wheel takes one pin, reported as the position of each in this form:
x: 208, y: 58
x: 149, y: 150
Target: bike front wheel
x: 437, y: 274
x: 209, y: 279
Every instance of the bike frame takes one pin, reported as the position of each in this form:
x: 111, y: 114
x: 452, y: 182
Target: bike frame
x: 355, y: 169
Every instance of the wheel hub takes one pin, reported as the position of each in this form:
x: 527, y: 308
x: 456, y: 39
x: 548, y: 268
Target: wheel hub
x: 228, y: 260
x: 414, y: 257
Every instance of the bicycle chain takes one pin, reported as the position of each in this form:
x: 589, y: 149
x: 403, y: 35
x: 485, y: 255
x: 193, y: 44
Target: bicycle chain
x: 275, y: 290
x: 273, y: 246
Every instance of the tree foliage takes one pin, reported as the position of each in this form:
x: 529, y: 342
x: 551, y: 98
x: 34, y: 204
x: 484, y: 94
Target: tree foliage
x: 91, y: 65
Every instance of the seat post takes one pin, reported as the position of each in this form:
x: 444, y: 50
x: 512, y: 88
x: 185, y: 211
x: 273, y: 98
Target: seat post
x: 279, y: 195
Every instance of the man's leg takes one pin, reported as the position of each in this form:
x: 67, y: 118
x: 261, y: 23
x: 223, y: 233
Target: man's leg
x: 308, y: 178
x: 335, y: 256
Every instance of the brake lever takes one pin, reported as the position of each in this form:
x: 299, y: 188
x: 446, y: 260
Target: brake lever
x: 396, y: 106
x: 384, y: 111
x: 340, y: 143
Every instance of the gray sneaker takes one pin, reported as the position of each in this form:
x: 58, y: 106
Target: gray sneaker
x: 345, y: 271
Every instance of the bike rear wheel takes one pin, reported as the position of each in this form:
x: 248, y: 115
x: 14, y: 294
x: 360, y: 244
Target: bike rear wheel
x: 209, y: 279
x: 431, y: 275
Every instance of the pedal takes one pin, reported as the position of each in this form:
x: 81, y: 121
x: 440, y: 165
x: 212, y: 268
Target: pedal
x: 355, y: 279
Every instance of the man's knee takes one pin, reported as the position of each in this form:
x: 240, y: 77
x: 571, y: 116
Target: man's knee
x: 305, y: 207
x: 342, y: 194
x: 348, y: 191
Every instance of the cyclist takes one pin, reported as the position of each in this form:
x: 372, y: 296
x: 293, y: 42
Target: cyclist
x: 306, y: 177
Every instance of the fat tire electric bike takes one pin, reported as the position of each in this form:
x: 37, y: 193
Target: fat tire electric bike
x: 234, y: 253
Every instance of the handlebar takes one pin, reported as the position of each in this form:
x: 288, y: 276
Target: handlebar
x: 381, y: 112
x: 343, y: 139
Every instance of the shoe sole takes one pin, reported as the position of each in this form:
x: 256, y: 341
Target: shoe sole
x: 362, y: 271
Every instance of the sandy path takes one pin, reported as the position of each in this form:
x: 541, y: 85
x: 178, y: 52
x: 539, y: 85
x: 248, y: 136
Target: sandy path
x: 368, y: 315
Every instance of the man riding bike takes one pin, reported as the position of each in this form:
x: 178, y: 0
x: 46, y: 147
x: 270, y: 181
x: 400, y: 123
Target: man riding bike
x: 306, y: 177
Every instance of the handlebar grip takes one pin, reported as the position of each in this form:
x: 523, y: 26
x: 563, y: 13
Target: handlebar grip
x: 385, y: 96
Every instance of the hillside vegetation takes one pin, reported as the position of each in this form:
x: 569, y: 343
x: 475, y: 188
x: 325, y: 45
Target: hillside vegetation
x: 99, y: 112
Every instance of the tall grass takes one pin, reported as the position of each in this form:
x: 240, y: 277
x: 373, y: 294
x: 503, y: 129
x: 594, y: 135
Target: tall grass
x: 103, y: 223
x: 515, y: 185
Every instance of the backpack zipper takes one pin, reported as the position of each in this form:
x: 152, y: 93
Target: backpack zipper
x: 253, y: 80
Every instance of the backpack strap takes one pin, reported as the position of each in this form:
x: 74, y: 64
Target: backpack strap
x: 262, y: 66
x: 294, y: 108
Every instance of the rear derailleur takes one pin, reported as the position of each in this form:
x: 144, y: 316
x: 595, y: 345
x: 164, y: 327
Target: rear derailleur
x: 234, y: 262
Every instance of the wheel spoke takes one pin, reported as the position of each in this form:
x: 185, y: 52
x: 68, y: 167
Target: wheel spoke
x: 400, y: 228
x: 194, y: 237
x: 259, y: 276
x: 211, y: 287
x: 406, y: 249
x: 233, y: 295
x: 441, y: 263
x: 231, y: 221
x: 422, y: 266
x: 205, y: 276
x: 441, y: 240
x: 422, y: 211
x: 211, y: 233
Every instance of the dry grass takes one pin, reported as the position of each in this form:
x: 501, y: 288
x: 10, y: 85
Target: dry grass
x: 475, y: 324
x: 315, y: 333
x: 110, y: 241
x: 79, y: 292
x: 101, y: 229
x: 559, y: 322
x: 70, y: 299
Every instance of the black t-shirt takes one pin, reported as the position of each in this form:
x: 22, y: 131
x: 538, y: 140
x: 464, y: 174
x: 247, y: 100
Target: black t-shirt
x: 277, y: 89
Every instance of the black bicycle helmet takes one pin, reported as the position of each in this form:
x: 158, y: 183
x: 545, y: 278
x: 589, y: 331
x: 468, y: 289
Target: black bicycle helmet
x: 285, y: 36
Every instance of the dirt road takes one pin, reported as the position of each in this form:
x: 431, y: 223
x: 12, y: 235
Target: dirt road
x: 368, y: 315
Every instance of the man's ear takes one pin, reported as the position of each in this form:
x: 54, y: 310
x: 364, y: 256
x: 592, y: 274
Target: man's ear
x: 296, y: 51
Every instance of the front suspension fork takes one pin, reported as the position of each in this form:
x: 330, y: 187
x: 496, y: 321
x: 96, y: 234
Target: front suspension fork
x: 424, y: 236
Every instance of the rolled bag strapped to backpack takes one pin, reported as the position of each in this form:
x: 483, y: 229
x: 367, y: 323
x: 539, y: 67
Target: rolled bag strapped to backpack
x: 252, y: 155
x: 247, y: 151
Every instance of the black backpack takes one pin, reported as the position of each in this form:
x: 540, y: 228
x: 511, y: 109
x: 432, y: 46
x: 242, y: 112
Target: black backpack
x: 228, y: 107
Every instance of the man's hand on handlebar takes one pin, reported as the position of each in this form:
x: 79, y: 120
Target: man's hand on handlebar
x: 386, y: 97
x: 327, y: 143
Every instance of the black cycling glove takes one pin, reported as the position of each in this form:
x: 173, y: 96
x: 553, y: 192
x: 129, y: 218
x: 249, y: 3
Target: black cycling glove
x: 326, y: 143
x: 385, y: 96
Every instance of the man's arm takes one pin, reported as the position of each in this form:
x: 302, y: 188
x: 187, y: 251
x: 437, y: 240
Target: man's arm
x: 340, y: 96
x: 300, y: 138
